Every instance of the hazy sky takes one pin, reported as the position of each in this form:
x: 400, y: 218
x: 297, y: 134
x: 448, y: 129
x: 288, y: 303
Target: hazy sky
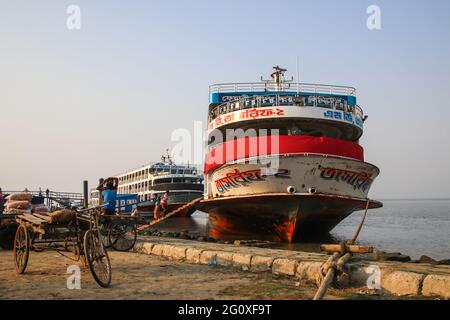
x: 80, y: 104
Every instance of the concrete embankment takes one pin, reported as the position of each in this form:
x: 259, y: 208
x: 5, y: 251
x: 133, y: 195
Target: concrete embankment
x: 403, y: 279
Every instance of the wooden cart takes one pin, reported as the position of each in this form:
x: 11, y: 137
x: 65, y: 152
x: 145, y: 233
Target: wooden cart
x: 80, y: 236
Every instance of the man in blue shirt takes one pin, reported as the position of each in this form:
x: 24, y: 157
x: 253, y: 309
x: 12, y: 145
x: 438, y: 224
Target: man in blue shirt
x: 109, y: 198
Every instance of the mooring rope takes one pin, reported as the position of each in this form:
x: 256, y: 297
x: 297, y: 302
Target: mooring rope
x: 360, y: 224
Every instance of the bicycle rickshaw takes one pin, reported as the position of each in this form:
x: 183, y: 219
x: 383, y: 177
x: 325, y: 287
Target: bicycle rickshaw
x: 80, y: 234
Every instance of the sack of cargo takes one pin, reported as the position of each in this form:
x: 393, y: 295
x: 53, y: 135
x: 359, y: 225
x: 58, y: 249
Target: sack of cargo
x: 22, y: 196
x: 61, y: 216
x: 16, y: 211
x: 21, y: 205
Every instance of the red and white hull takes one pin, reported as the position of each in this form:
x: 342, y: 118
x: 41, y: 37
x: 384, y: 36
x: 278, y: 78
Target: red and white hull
x: 307, y: 195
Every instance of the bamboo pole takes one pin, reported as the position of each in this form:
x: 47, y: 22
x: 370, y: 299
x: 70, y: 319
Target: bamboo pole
x: 344, y: 253
x: 167, y: 216
x: 348, y: 248
x: 328, y: 278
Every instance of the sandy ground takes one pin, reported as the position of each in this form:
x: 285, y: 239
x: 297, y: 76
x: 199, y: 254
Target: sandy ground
x: 146, y: 277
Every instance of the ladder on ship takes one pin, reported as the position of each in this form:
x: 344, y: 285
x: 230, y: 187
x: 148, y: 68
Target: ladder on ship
x: 170, y: 214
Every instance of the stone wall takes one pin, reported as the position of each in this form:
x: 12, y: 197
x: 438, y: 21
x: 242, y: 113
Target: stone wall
x: 403, y: 279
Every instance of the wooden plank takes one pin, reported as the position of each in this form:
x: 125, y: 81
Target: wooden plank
x: 349, y: 248
x: 43, y: 217
x: 32, y: 219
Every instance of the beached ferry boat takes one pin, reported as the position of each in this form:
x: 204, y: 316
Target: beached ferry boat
x: 283, y: 158
x: 184, y: 182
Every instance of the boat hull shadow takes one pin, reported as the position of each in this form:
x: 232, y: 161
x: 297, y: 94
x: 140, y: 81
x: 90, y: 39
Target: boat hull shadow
x: 280, y: 217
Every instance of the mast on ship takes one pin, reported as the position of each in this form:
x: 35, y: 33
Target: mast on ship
x: 167, y: 159
x: 277, y: 78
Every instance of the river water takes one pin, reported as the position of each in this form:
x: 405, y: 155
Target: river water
x: 412, y: 227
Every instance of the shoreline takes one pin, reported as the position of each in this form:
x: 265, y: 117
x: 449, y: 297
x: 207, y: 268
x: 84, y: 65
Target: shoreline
x: 396, y: 278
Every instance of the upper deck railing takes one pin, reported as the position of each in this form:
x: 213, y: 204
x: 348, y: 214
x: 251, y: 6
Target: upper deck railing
x: 284, y: 86
x: 261, y: 101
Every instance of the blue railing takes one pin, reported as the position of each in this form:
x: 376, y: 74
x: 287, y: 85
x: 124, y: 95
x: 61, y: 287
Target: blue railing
x: 269, y: 100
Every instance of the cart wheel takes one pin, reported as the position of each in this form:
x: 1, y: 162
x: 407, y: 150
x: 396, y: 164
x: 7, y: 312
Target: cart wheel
x: 21, y: 249
x: 97, y: 258
x: 123, y: 235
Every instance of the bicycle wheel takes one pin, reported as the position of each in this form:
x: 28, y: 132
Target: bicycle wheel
x: 21, y: 249
x: 122, y: 235
x: 97, y: 258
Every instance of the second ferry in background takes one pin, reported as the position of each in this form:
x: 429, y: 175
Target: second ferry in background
x: 184, y: 184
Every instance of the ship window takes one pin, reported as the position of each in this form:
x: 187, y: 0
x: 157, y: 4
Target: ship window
x: 161, y: 181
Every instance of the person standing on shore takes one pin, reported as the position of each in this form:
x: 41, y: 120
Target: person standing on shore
x: 47, y: 193
x: 157, y: 206
x: 154, y: 199
x: 165, y: 202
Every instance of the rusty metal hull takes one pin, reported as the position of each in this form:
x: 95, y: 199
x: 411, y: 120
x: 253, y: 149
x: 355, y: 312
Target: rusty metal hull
x: 280, y: 217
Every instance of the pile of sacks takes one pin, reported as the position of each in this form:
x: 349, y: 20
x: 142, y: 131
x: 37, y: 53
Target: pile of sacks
x: 18, y: 203
x: 22, y: 203
x: 61, y: 216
